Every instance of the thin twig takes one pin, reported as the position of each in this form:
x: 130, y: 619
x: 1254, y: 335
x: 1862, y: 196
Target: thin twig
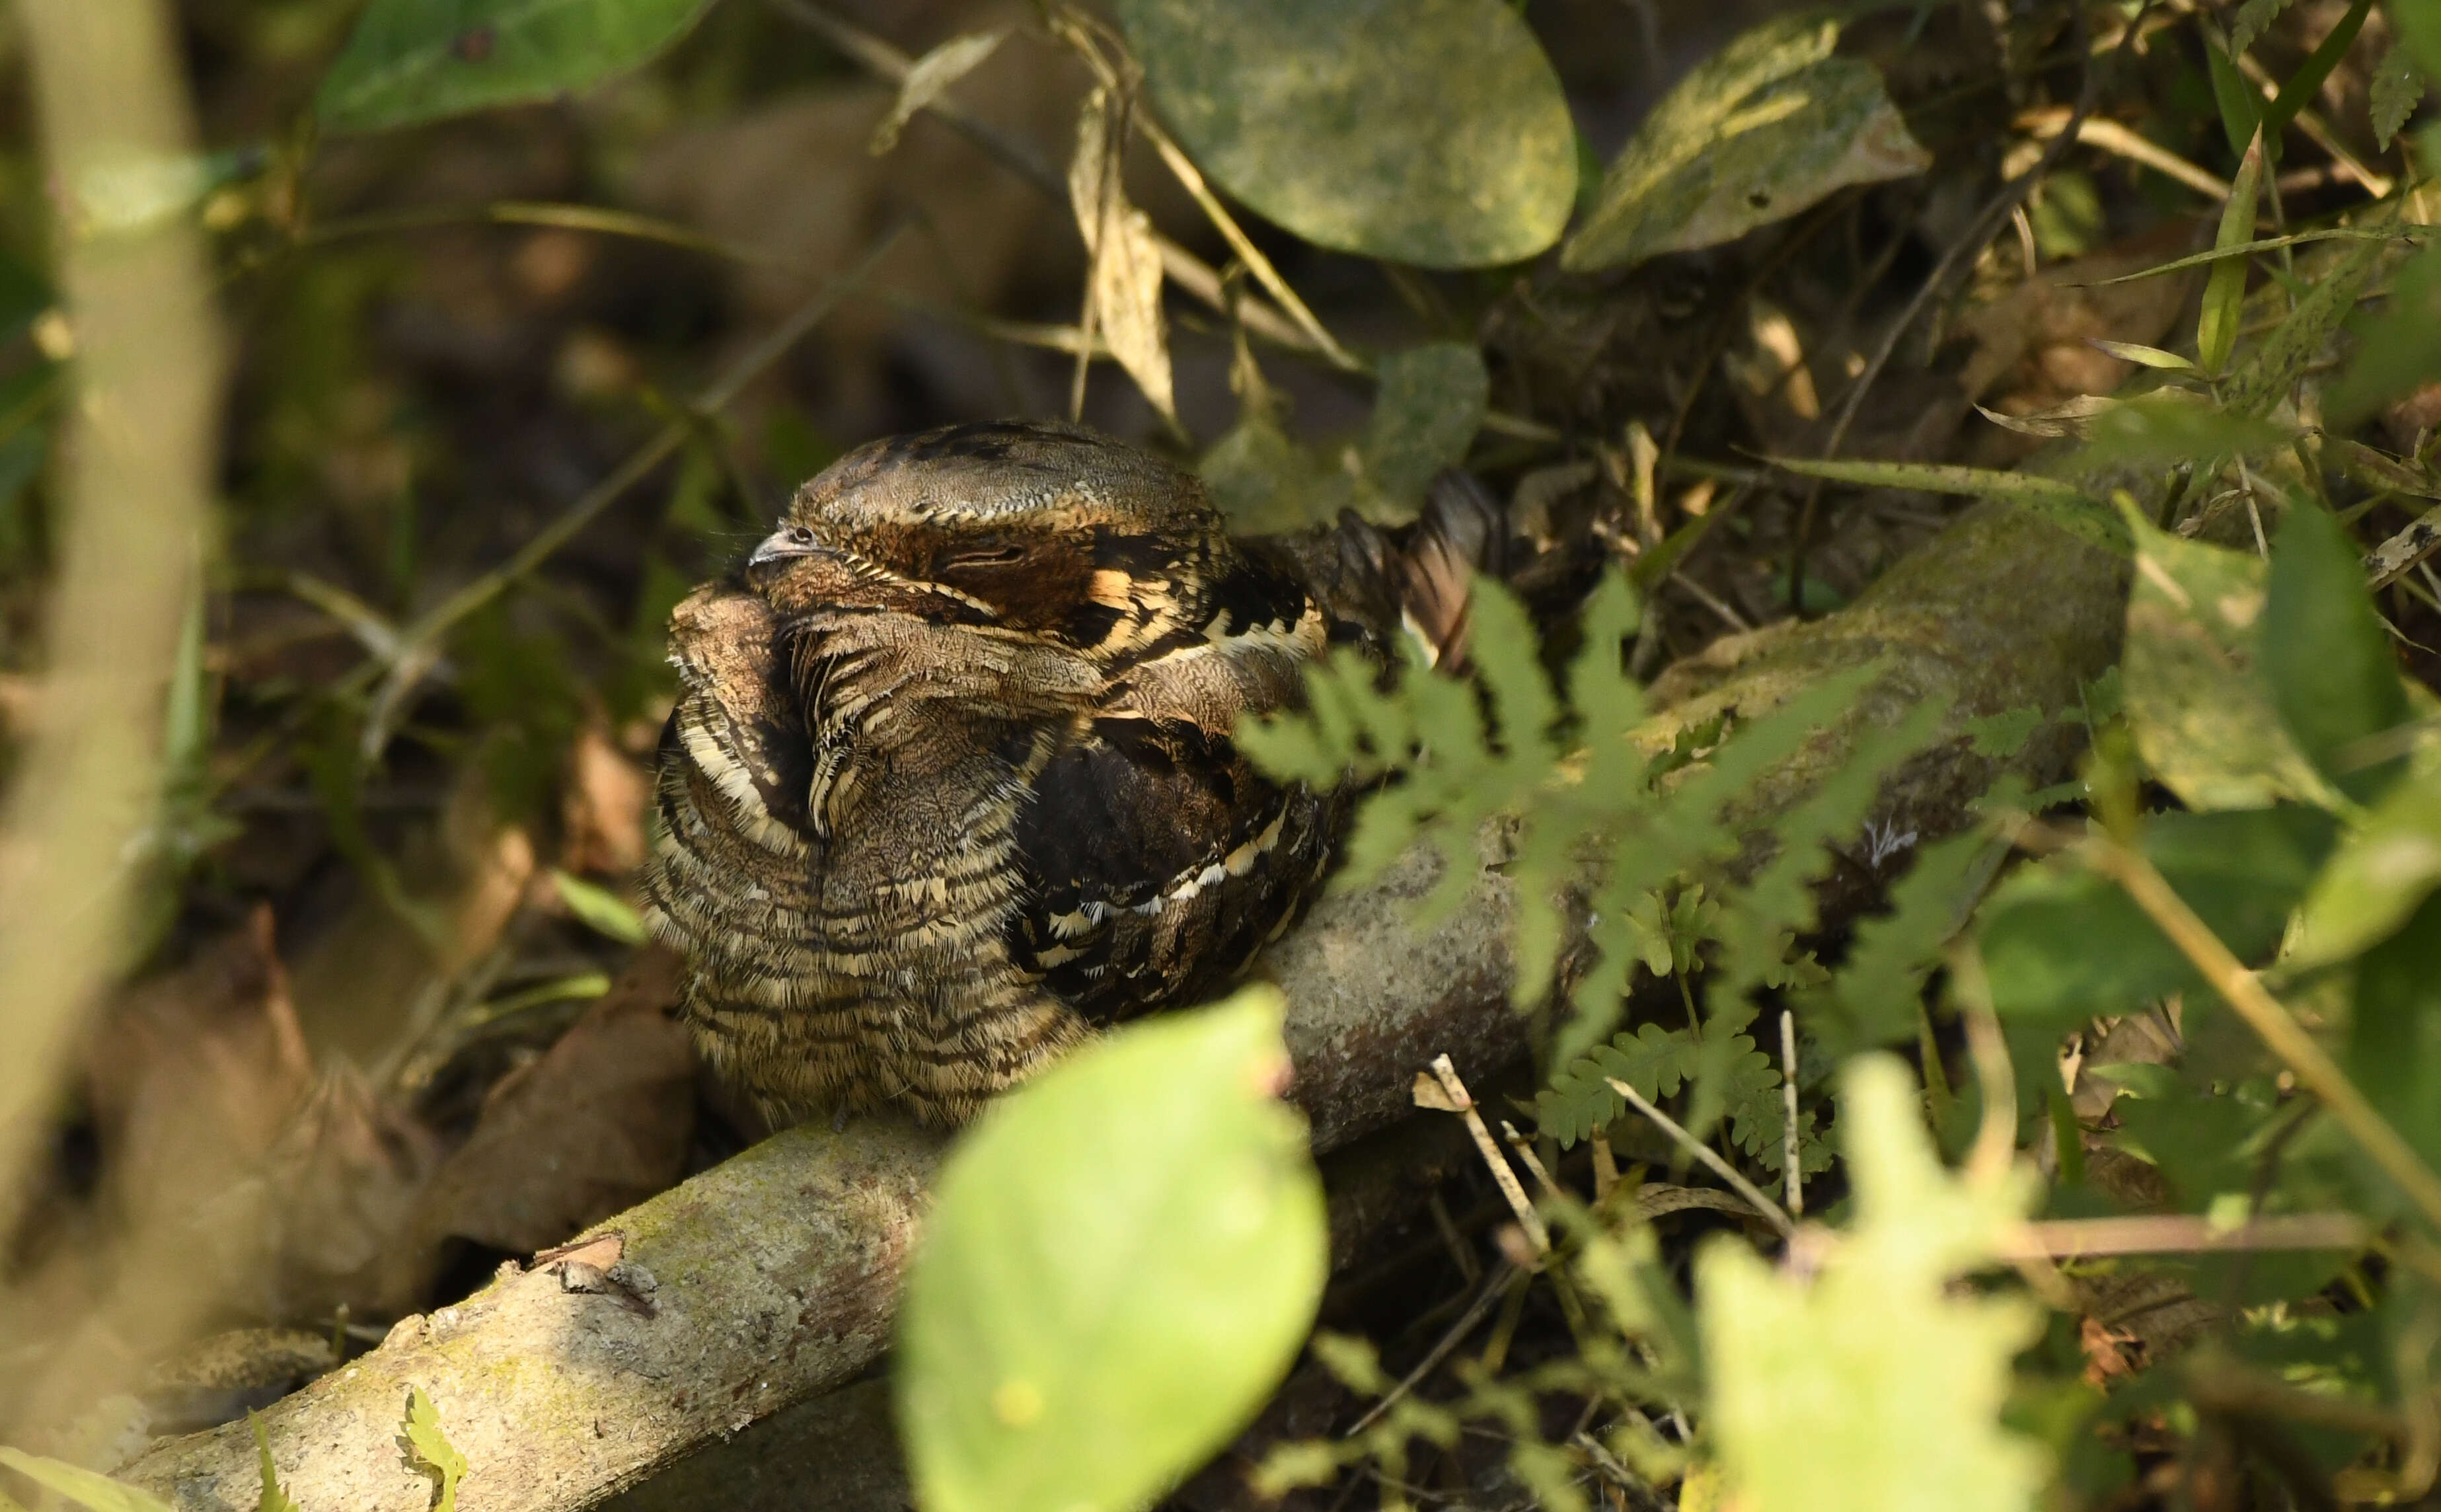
x: 2189, y: 1233
x: 1462, y: 1103
x: 1492, y: 1286
x: 1979, y: 231
x: 1533, y: 1162
x: 420, y: 642
x: 1788, y: 1153
x: 2269, y: 1018
x: 1771, y: 1211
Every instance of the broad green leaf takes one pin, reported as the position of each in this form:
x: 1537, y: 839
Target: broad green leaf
x: 1432, y: 403
x: 2203, y: 719
x: 2395, y: 1029
x: 438, y: 1458
x: 2225, y: 292
x: 2418, y: 24
x: 2324, y: 652
x: 1263, y: 481
x: 2397, y: 353
x: 2384, y: 869
x: 1766, y: 127
x: 271, y: 1498
x: 1874, y: 1384
x: 412, y: 61
x: 1429, y: 132
x: 97, y: 1493
x: 2061, y: 942
x: 599, y: 909
x: 1123, y: 1258
x: 2065, y: 505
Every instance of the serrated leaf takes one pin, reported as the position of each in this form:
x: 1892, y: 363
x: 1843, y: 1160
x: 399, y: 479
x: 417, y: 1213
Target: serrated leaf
x: 1763, y: 128
x: 2004, y: 734
x: 96, y: 1492
x: 1579, y: 1102
x: 1431, y: 133
x: 271, y: 1498
x: 2419, y: 29
x: 2396, y: 89
x: 599, y: 909
x: 1123, y: 281
x: 423, y: 1438
x: 1122, y: 1260
x: 1874, y: 1384
x: 412, y: 60
x: 2203, y: 718
x: 2251, y: 20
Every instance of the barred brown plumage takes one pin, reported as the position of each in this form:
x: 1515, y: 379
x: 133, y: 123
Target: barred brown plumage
x: 951, y: 777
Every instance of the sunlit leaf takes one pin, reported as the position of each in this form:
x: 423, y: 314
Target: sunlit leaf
x: 97, y: 1493
x: 2203, y: 720
x: 438, y: 1458
x: 1124, y: 279
x: 1763, y: 128
x: 2383, y: 872
x: 1123, y: 1258
x: 1874, y: 1384
x: 599, y: 909
x: 272, y: 1498
x: 2225, y: 292
x: 1429, y: 132
x: 410, y: 61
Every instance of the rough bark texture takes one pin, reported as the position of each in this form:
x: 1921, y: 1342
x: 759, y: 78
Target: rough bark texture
x: 769, y: 1280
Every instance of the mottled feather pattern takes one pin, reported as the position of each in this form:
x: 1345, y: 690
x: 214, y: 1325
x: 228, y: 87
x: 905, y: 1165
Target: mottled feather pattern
x: 951, y: 777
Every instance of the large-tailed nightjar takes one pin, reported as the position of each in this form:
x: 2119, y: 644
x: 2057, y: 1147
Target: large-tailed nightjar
x: 950, y: 781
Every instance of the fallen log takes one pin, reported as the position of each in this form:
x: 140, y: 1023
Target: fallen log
x: 772, y: 1279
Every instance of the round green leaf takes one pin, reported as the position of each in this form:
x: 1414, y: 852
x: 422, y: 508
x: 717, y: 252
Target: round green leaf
x: 1763, y: 128
x: 1123, y: 1258
x: 1429, y: 132
x: 412, y: 60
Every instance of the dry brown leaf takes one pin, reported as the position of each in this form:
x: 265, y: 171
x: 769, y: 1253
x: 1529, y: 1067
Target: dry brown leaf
x: 193, y: 1074
x: 598, y: 1124
x: 1124, y: 283
x: 604, y: 813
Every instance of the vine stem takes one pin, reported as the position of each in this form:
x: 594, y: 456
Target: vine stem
x: 2269, y: 1018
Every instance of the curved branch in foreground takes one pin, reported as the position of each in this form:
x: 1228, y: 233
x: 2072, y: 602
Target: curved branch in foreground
x: 773, y: 1277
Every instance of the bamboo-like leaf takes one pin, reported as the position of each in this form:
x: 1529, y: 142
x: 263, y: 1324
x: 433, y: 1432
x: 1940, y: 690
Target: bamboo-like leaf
x: 2271, y: 244
x: 2141, y: 355
x: 2224, y: 296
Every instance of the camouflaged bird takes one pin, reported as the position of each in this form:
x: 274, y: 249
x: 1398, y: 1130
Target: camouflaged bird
x: 950, y: 779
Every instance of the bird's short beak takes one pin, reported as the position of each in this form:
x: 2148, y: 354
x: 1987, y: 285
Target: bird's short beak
x: 781, y: 543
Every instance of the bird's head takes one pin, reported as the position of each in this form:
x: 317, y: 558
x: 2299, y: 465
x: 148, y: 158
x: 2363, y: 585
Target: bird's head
x: 1043, y: 529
